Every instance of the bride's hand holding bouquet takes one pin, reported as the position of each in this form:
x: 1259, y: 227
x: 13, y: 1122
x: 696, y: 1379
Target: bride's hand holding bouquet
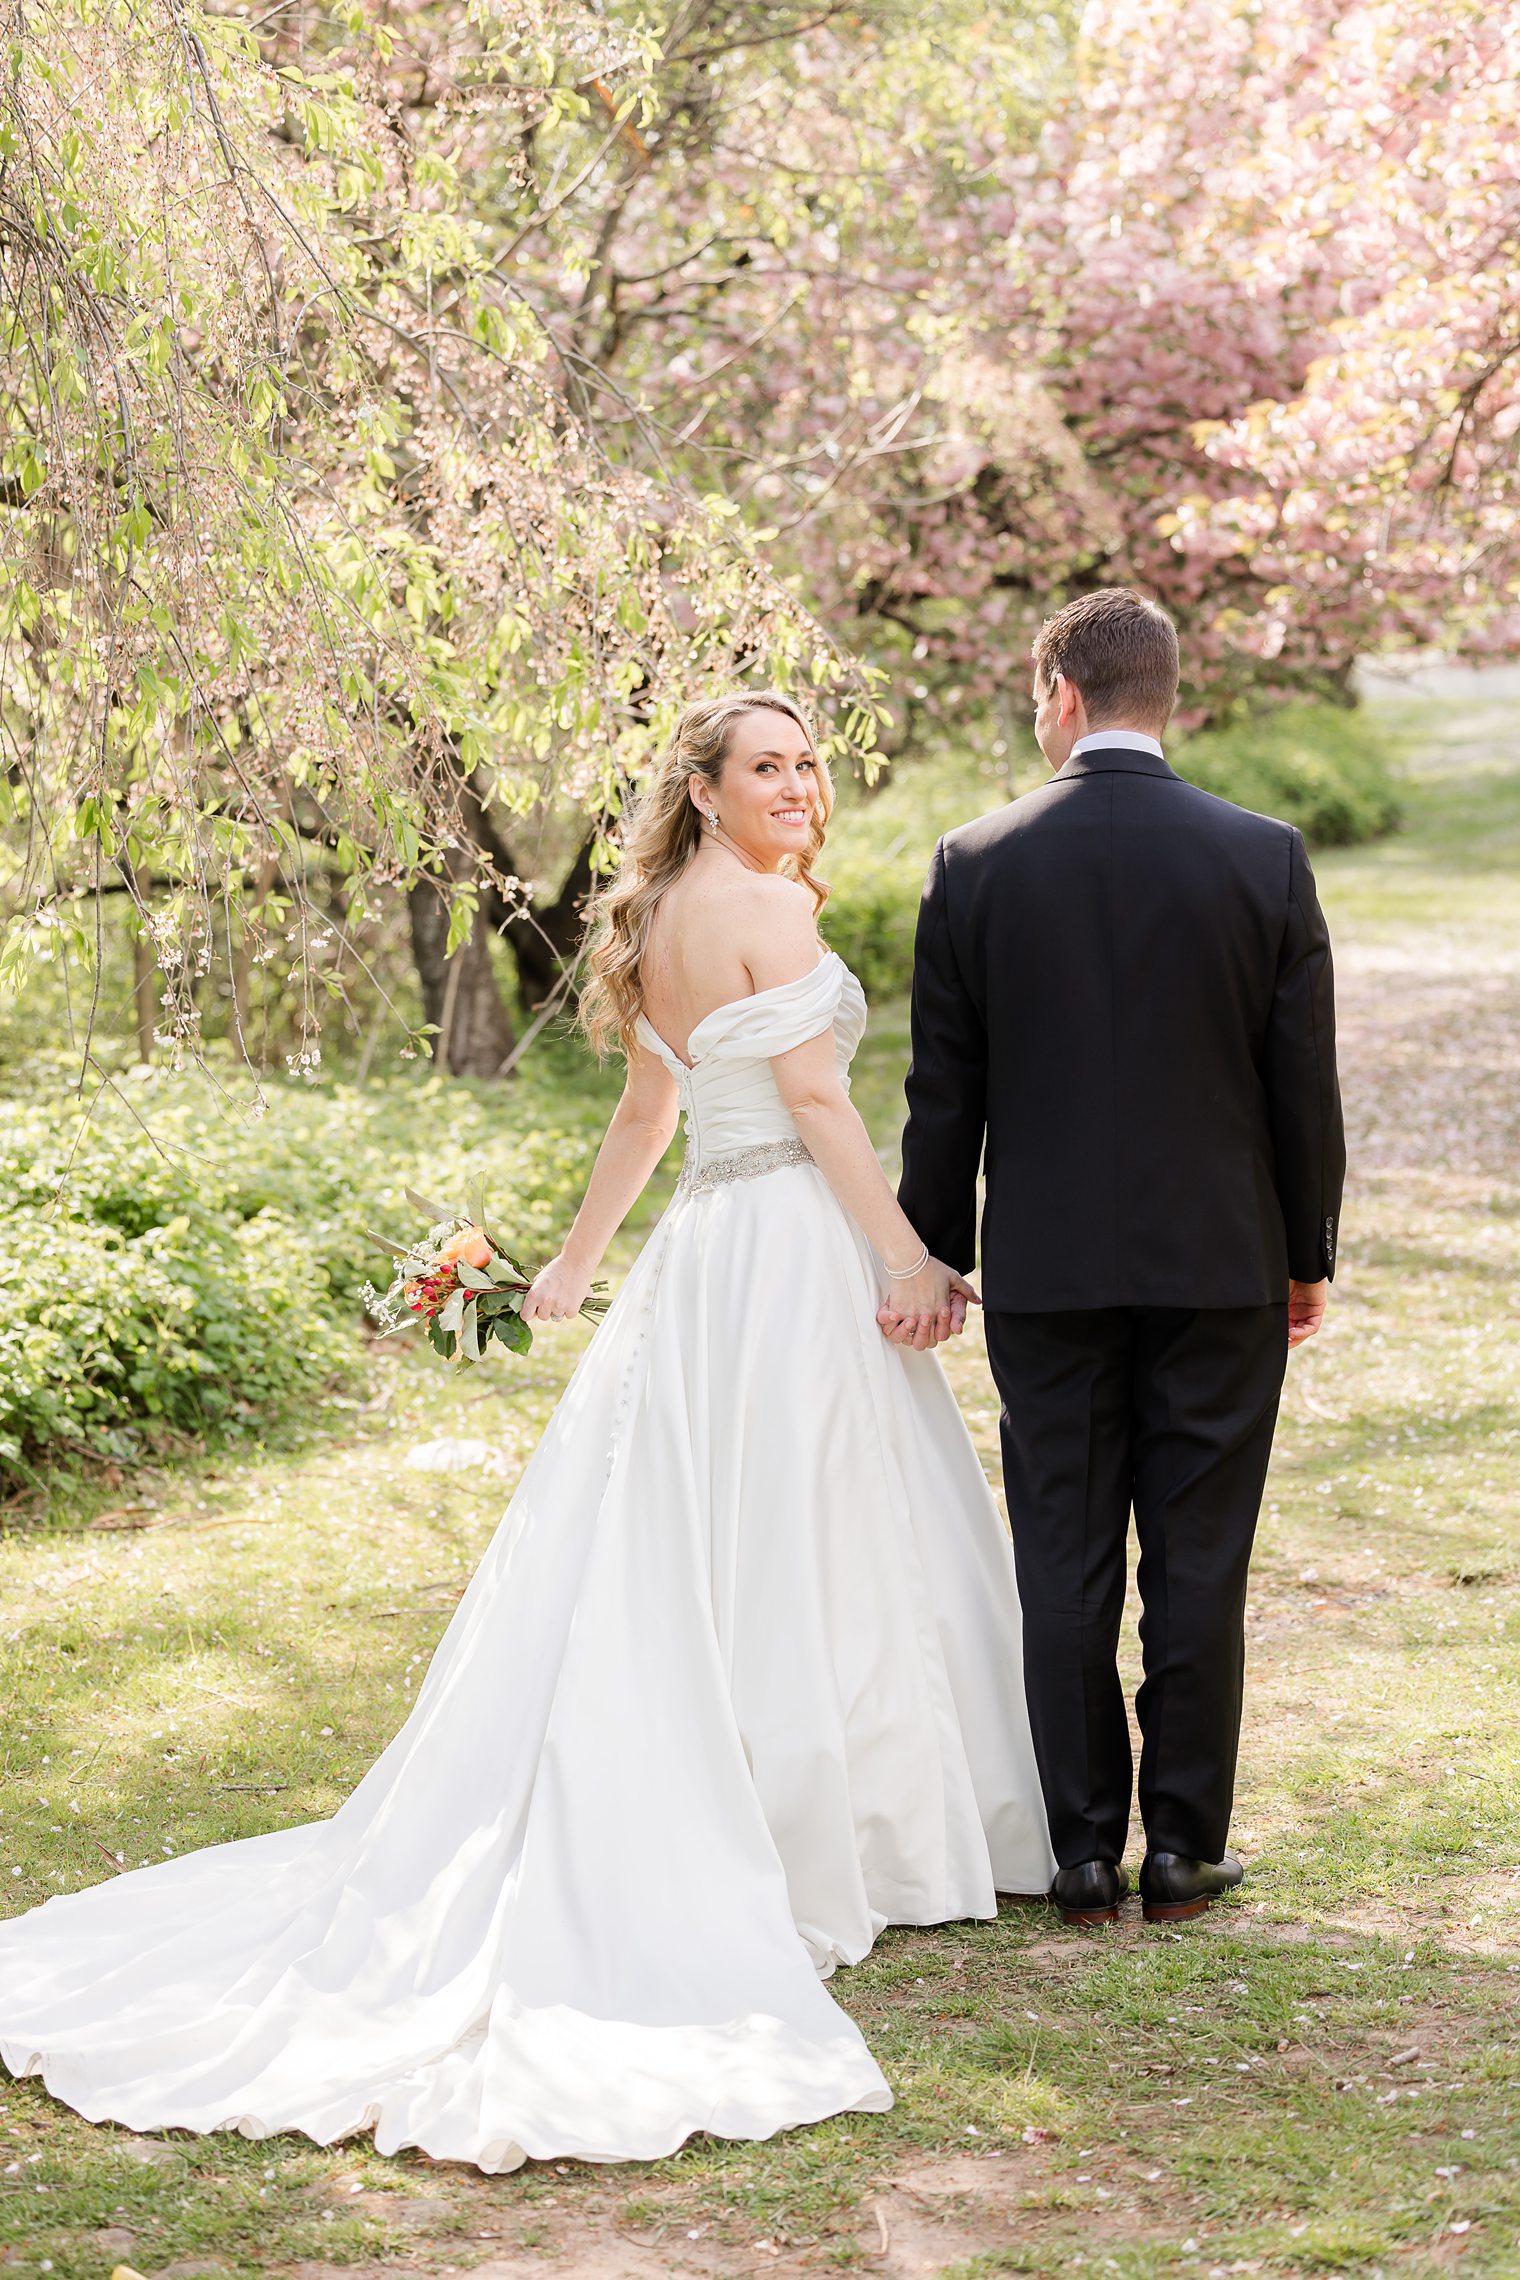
x: 463, y: 1287
x: 559, y: 1290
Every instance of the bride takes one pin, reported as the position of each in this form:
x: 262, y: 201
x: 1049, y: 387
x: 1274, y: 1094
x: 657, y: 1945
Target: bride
x: 737, y: 1682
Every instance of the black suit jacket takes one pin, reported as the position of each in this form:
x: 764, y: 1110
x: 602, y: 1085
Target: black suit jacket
x: 1122, y: 989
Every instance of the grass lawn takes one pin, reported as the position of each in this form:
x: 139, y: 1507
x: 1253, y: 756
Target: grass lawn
x: 1322, y: 2076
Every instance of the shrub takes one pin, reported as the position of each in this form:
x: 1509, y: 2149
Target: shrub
x: 879, y: 849
x: 211, y: 1281
x: 1323, y: 768
x: 870, y: 919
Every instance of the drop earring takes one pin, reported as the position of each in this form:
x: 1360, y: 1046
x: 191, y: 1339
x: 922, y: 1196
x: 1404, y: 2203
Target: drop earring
x: 712, y: 820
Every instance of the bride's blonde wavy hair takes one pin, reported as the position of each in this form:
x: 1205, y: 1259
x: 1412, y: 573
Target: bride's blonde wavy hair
x: 660, y: 835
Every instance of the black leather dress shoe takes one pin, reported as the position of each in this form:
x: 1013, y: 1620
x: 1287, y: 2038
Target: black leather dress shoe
x: 1089, y: 1894
x: 1171, y: 1886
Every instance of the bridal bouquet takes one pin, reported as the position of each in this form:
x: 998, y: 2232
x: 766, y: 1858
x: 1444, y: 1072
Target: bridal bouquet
x: 460, y: 1283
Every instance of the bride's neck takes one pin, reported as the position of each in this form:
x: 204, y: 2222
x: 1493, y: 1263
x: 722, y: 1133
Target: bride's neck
x: 721, y: 844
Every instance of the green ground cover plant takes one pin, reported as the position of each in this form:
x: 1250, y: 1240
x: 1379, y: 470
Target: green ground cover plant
x: 1319, y: 2078
x: 171, y: 1268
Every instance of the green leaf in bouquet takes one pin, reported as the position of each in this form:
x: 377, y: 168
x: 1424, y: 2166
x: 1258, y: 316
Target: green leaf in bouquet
x: 431, y: 1212
x: 471, y: 1277
x: 501, y: 1270
x: 396, y: 1250
x: 442, y: 1341
x: 452, y: 1313
x: 513, y: 1332
x: 469, y: 1329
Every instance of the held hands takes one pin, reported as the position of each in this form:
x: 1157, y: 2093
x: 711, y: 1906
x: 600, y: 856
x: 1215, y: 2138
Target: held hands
x: 925, y: 1309
x: 558, y: 1292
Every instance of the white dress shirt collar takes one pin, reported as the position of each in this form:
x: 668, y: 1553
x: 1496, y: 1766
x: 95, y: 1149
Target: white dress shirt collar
x: 1129, y: 739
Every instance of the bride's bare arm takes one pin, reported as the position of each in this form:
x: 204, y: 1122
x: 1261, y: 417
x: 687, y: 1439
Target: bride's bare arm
x: 839, y: 1144
x: 635, y: 1140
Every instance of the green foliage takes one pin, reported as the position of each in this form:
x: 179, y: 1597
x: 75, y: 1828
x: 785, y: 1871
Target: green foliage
x: 879, y: 849
x: 306, y: 558
x: 870, y: 922
x: 211, y: 1283
x: 1324, y: 768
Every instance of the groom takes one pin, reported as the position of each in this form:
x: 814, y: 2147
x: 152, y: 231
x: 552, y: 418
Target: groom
x: 1122, y: 1000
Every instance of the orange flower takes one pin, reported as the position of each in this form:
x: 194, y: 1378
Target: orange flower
x: 470, y: 1245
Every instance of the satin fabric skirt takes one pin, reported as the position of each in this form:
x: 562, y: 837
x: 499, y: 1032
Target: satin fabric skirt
x: 736, y: 1684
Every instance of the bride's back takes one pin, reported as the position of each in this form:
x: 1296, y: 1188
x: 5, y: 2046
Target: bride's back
x: 701, y: 945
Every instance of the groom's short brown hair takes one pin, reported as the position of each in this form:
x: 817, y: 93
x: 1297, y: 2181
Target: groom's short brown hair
x: 1119, y: 649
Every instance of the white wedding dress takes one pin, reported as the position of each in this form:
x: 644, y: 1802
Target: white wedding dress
x: 737, y: 1683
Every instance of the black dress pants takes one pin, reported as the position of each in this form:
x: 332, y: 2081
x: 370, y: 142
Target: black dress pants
x: 1169, y: 1410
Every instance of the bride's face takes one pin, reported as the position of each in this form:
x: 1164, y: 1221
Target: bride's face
x: 768, y: 790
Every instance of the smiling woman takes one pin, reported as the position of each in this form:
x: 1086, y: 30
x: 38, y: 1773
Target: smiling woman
x: 738, y: 756
x: 765, y: 808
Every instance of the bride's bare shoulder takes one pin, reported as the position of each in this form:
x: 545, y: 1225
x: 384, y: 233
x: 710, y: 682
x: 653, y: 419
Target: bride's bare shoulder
x: 771, y: 900
x: 751, y: 929
x: 775, y: 930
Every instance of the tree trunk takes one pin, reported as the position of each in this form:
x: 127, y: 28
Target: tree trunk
x: 545, y: 938
x: 459, y: 994
x: 474, y: 1032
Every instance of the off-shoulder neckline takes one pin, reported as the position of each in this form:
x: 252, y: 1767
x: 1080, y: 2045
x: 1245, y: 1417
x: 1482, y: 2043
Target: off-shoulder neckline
x: 728, y: 1006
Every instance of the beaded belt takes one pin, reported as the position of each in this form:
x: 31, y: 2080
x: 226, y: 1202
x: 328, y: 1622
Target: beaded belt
x: 743, y: 1164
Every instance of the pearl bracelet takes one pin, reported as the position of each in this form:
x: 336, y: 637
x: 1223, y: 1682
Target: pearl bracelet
x: 906, y: 1274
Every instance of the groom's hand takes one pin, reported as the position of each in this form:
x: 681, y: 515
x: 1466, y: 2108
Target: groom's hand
x: 1306, y: 1309
x: 963, y: 1296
